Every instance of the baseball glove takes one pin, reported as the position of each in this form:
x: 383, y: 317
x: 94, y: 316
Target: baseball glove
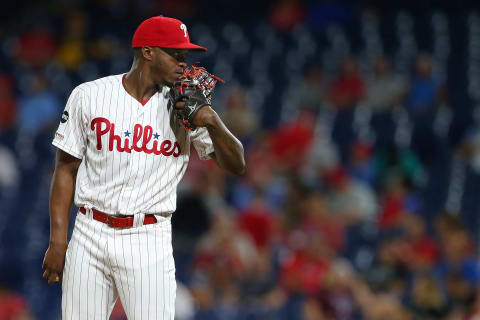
x: 194, y: 87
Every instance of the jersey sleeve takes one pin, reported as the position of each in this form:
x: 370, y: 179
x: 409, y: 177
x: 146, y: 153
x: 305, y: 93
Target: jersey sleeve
x: 202, y: 142
x: 71, y: 133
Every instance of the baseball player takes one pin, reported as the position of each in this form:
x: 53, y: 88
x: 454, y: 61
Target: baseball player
x: 123, y: 146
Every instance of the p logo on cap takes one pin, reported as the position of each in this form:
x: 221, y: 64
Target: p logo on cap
x: 184, y: 28
x: 163, y: 32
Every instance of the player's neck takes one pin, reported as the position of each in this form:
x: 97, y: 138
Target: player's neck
x: 139, y: 85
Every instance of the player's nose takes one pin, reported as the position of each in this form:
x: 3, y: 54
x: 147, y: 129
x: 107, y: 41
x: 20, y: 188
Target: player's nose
x: 182, y: 64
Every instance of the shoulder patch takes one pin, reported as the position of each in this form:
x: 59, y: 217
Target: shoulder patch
x: 64, y: 117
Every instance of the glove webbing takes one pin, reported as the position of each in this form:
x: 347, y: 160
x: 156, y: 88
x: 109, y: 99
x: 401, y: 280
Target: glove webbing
x: 198, y: 74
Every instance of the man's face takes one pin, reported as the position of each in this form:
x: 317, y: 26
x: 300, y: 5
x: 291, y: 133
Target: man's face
x: 168, y: 65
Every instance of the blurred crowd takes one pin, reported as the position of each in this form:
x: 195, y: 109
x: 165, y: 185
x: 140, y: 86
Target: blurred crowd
x: 359, y: 201
x: 311, y: 233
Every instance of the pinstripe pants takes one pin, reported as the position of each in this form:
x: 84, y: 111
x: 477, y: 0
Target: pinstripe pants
x: 134, y: 264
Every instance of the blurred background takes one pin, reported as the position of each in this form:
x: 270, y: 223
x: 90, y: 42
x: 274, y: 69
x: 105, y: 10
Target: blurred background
x: 360, y: 122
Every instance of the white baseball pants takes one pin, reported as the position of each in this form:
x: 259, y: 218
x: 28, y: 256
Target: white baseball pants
x: 134, y: 264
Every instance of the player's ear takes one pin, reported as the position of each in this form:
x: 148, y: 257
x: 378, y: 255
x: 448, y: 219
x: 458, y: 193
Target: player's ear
x: 148, y: 53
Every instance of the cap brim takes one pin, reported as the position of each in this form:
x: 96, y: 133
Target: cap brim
x: 196, y: 47
x: 187, y: 46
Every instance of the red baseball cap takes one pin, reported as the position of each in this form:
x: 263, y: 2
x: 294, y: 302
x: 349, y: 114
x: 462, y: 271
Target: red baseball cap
x: 163, y: 32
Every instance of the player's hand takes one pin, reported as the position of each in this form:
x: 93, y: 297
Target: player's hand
x: 203, y: 116
x: 191, y: 93
x: 53, y: 263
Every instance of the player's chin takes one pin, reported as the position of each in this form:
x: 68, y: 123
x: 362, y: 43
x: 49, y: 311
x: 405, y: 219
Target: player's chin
x: 171, y: 81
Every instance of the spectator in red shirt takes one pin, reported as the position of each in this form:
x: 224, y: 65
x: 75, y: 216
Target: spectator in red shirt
x: 36, y: 47
x: 421, y: 251
x: 304, y: 271
x: 256, y: 221
x: 318, y: 218
x: 286, y: 14
x: 13, y: 306
x: 349, y: 88
x: 291, y: 141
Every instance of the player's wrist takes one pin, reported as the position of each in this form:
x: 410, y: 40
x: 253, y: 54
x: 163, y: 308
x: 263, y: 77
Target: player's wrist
x: 210, y: 117
x: 205, y: 117
x: 58, y: 246
x: 58, y: 240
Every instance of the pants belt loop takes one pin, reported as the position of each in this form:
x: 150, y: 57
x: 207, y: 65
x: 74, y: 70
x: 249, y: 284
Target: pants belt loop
x: 138, y: 219
x: 89, y: 212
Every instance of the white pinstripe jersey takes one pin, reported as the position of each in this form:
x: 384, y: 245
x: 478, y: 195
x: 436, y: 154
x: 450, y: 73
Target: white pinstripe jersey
x: 133, y: 156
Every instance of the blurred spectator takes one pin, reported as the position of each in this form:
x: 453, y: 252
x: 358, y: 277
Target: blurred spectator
x: 313, y: 310
x: 292, y: 141
x: 293, y: 208
x: 8, y: 102
x: 376, y: 306
x: 458, y: 269
x: 394, y: 164
x: 260, y: 178
x: 362, y: 166
x: 311, y: 93
x: 228, y: 303
x: 429, y: 301
x: 261, y: 279
x: 345, y: 92
x: 13, y: 306
x: 421, y: 103
x: 393, y: 203
x: 338, y: 298
x: 421, y: 251
x: 223, y: 257
x: 286, y: 14
x: 77, y: 48
x: 224, y: 253
x: 384, y: 89
x: 447, y: 224
x: 461, y: 292
x: 36, y: 47
x: 256, y: 221
x: 323, y: 154
x: 39, y: 106
x: 383, y: 306
x: 398, y: 199
x: 424, y: 87
x: 389, y: 272
x: 304, y: 270
x: 348, y: 89
x: 239, y: 116
x: 203, y: 296
x: 317, y: 217
x: 352, y: 200
x: 74, y: 47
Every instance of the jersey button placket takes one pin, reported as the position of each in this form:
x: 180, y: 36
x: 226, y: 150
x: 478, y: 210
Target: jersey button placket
x: 123, y: 200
